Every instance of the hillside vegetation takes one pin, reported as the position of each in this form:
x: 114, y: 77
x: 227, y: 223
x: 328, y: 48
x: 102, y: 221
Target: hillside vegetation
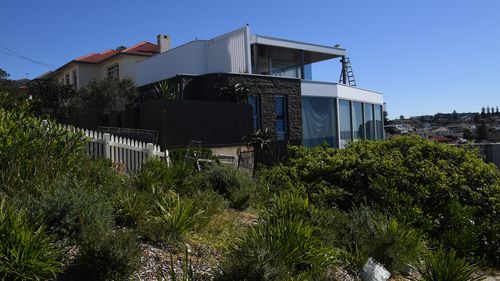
x: 407, y: 202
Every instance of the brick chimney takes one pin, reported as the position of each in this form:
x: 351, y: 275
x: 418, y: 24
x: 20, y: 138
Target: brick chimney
x: 163, y: 43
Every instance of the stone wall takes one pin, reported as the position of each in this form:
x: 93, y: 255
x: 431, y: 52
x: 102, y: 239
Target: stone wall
x: 208, y: 87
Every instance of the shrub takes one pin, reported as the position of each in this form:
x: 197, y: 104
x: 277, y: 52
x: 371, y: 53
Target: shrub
x: 177, y: 216
x: 34, y: 153
x: 132, y: 206
x: 25, y: 253
x: 446, y: 266
x: 273, y: 251
x: 105, y: 254
x: 449, y: 192
x: 68, y: 207
x: 283, y: 245
x: 366, y: 233
x: 235, y: 185
x: 156, y: 176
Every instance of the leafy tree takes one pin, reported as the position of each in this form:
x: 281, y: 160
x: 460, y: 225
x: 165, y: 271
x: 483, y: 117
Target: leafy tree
x: 386, y: 117
x: 108, y: 95
x: 483, y: 132
x: 53, y: 98
x: 454, y: 115
x: 468, y: 134
x: 6, y: 84
x: 402, y: 117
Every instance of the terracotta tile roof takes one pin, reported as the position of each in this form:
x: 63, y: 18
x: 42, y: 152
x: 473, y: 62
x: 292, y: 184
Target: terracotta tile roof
x: 97, y: 58
x: 143, y: 49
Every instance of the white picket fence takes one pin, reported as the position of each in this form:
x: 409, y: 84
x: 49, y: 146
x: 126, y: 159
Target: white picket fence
x: 123, y: 151
x: 127, y: 153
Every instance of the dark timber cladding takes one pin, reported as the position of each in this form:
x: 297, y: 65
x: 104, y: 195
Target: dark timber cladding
x: 208, y: 87
x: 212, y: 123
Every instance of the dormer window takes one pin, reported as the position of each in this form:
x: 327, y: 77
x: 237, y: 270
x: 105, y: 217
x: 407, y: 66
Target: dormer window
x: 113, y: 71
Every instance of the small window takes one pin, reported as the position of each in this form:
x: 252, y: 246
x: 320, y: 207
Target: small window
x: 253, y: 100
x: 66, y: 78
x: 75, y: 79
x: 280, y: 109
x: 113, y: 71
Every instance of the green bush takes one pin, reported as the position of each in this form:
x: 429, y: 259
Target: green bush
x: 284, y: 244
x: 366, y: 233
x: 69, y: 206
x: 25, y: 253
x: 132, y: 206
x: 156, y: 176
x: 449, y: 192
x: 177, y: 216
x: 105, y: 254
x: 34, y: 153
x: 235, y: 185
x: 446, y: 266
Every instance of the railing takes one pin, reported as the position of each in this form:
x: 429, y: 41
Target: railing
x: 127, y: 153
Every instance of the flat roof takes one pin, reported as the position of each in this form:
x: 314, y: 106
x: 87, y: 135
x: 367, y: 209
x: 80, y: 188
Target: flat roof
x: 284, y: 43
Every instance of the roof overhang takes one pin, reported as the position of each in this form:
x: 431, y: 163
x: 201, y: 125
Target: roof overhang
x: 312, y: 52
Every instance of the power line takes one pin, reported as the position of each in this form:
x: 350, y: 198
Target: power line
x: 17, y: 55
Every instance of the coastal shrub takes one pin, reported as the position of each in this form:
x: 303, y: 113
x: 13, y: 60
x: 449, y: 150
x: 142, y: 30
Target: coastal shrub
x: 25, y: 253
x: 105, y: 254
x: 156, y: 176
x: 176, y: 216
x: 235, y: 185
x: 448, y: 192
x: 132, y: 206
x: 447, y: 266
x: 282, y: 245
x: 34, y: 152
x: 69, y: 206
x: 366, y: 233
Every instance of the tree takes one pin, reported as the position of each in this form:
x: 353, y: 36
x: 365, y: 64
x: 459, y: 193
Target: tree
x: 497, y: 110
x: 488, y: 110
x: 108, y: 95
x: 53, y: 98
x: 402, y: 117
x: 386, y: 119
x: 468, y: 134
x: 454, y: 115
x: 6, y: 84
x: 482, y: 131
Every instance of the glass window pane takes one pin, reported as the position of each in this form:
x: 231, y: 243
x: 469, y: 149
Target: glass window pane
x: 358, y: 129
x: 254, y: 102
x: 280, y: 110
x: 319, y: 121
x: 369, y: 124
x: 345, y: 122
x: 379, y: 126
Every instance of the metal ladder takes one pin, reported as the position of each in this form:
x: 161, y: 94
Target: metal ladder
x: 351, y: 81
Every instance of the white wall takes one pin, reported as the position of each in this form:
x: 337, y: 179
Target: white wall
x: 228, y: 52
x: 322, y: 89
x: 126, y: 66
x: 190, y: 58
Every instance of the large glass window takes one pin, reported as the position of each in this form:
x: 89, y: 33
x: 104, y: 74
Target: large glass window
x: 379, y: 126
x: 319, y: 121
x: 345, y: 122
x: 253, y: 100
x: 280, y: 109
x: 369, y: 123
x: 358, y: 128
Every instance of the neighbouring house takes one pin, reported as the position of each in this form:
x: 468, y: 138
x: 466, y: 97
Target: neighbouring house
x: 282, y: 92
x: 118, y: 63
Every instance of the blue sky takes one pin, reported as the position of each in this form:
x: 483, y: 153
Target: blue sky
x: 426, y: 56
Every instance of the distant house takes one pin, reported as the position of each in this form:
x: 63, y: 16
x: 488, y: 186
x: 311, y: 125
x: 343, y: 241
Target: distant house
x: 119, y: 63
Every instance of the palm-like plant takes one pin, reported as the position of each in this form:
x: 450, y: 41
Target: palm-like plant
x: 446, y: 266
x: 235, y: 93
x: 163, y: 90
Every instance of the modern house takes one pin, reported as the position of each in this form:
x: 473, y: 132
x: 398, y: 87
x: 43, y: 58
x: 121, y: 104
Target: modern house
x: 281, y: 89
x: 118, y: 63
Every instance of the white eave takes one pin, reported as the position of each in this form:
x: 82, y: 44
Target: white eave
x: 283, y: 43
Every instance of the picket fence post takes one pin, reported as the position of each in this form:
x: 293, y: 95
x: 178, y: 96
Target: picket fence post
x: 107, y: 146
x: 150, y: 148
